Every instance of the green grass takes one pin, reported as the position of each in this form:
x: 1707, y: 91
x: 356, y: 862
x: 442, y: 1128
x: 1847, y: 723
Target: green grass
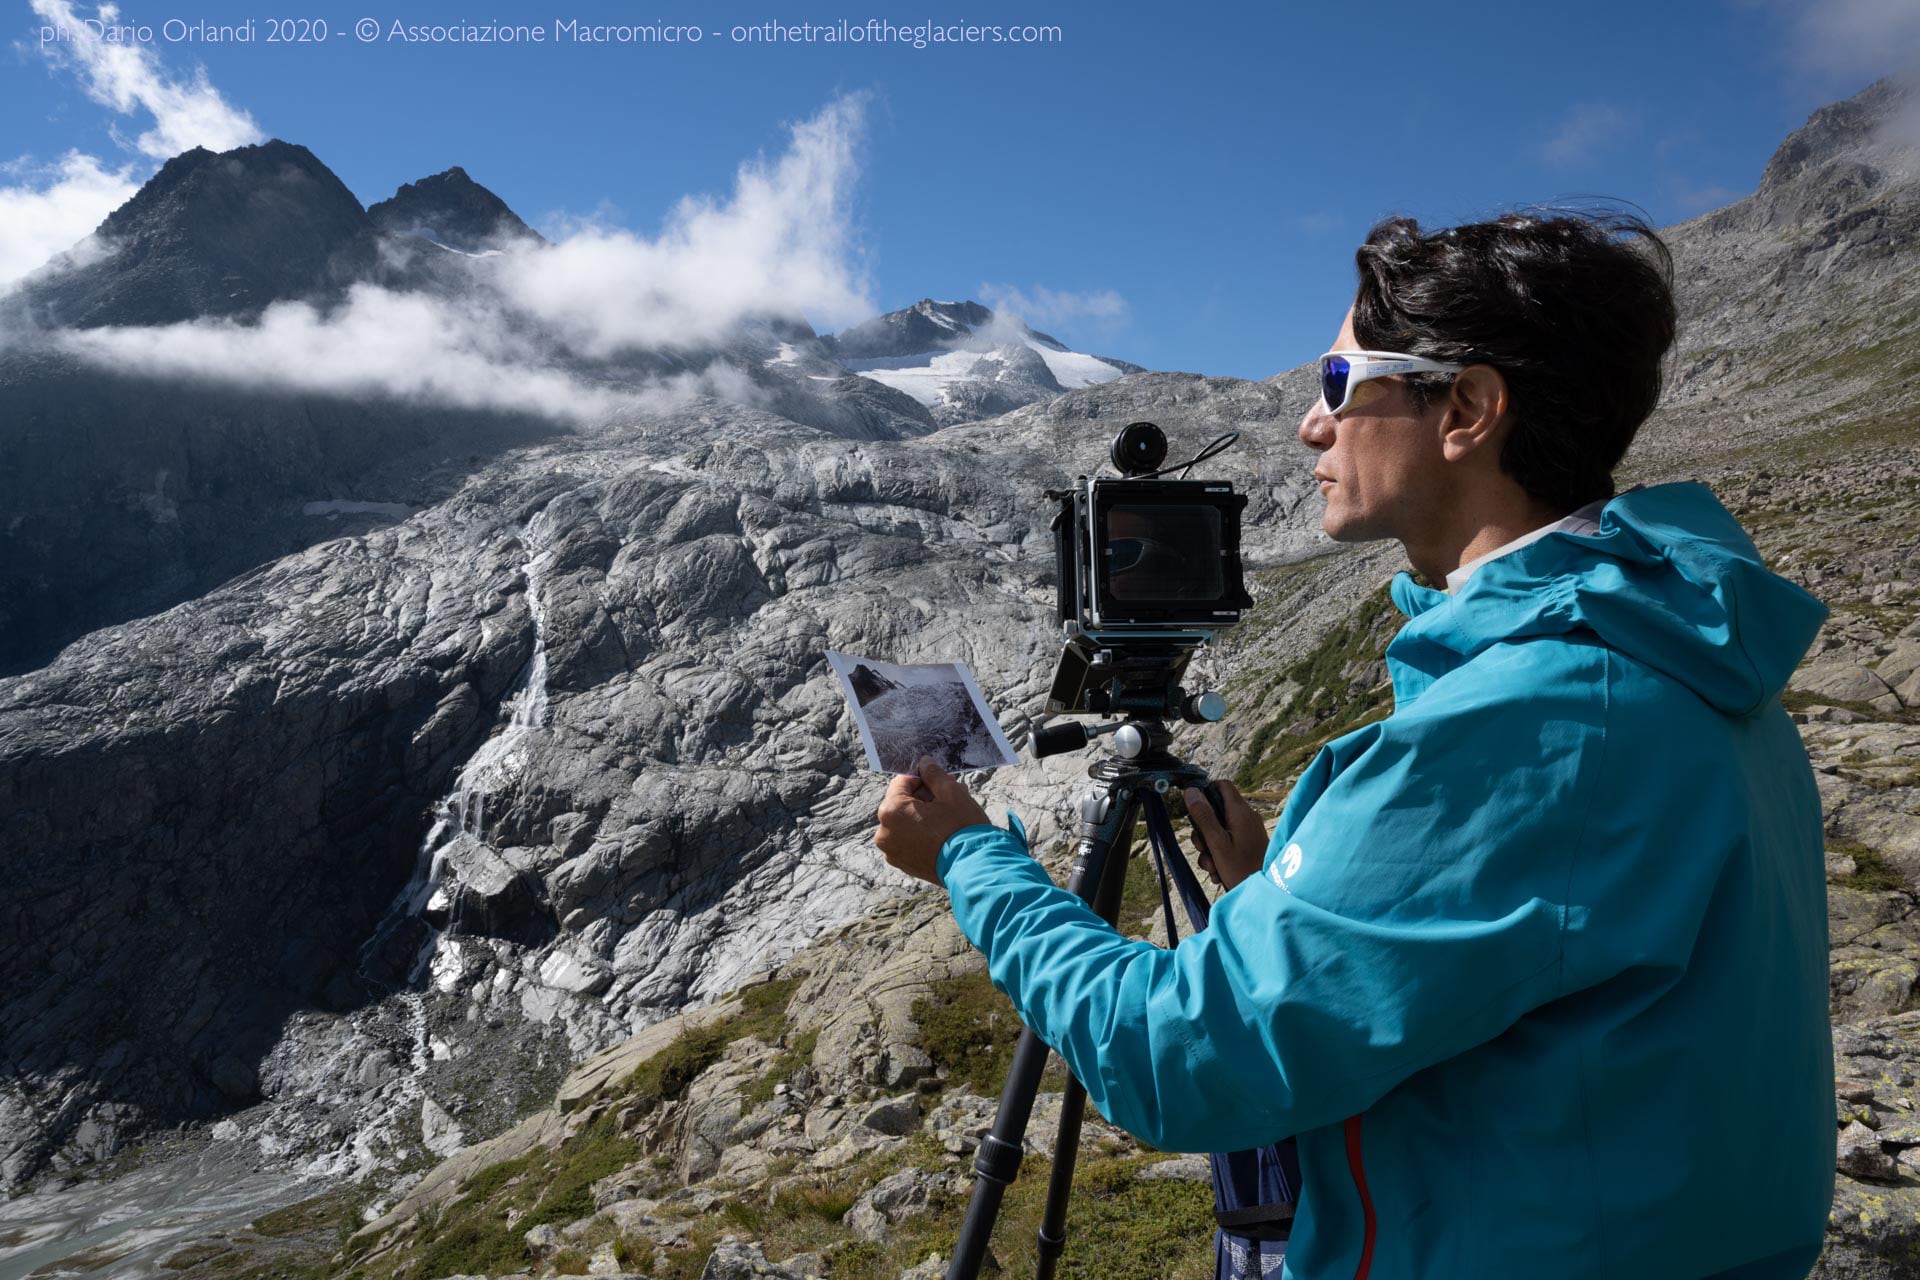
x: 1140, y: 895
x: 1332, y: 695
x: 1118, y: 1228
x: 196, y: 1255
x: 569, y: 1262
x: 467, y: 1245
x: 969, y: 1029
x: 470, y: 1235
x: 1871, y: 872
x: 666, y: 1075
x: 487, y: 1182
x: 787, y: 1064
x: 1795, y: 700
x: 297, y: 1242
x: 573, y: 1169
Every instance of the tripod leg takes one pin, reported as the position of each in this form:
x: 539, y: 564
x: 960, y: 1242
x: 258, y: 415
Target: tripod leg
x: 997, y: 1163
x: 1052, y: 1239
x: 1106, y: 825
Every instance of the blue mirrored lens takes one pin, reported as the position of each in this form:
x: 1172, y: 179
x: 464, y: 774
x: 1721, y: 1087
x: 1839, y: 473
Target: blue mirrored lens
x: 1333, y: 380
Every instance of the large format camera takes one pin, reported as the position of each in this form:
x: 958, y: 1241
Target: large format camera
x: 1149, y: 570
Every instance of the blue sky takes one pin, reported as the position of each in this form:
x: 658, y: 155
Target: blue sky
x: 1181, y: 186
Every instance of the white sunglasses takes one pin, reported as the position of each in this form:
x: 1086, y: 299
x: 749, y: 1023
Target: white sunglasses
x: 1342, y: 371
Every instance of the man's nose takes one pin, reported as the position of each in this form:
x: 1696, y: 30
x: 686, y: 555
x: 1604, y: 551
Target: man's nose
x: 1316, y: 428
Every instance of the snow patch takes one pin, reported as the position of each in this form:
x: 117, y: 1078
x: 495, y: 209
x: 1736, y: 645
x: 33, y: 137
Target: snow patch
x: 1073, y: 369
x: 927, y: 309
x: 483, y: 253
x: 924, y: 376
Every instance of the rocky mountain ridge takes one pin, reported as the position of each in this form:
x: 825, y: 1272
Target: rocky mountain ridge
x: 453, y: 211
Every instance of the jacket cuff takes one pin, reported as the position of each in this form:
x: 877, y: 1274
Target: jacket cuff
x: 980, y: 838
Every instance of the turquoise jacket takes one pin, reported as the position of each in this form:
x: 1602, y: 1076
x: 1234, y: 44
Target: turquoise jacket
x: 1536, y: 969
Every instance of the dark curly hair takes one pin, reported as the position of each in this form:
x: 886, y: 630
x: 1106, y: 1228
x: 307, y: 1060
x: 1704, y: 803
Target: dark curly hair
x: 1574, y: 314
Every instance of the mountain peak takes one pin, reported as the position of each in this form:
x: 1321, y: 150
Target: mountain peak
x: 1844, y: 151
x: 453, y: 210
x: 958, y: 317
x: 213, y: 233
x: 964, y: 362
x: 927, y: 325
x: 201, y: 173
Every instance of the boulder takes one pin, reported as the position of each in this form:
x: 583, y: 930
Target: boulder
x: 888, y: 1201
x: 1841, y: 680
x: 1860, y: 1155
x: 1187, y: 1168
x: 744, y: 1260
x: 895, y: 1117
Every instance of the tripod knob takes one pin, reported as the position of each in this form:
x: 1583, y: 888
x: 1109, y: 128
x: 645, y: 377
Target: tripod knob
x: 1203, y: 708
x: 1053, y: 739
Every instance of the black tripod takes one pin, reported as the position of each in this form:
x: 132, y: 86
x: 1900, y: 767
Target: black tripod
x: 1134, y: 780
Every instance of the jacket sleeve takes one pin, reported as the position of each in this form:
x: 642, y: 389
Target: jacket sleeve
x: 1414, y: 910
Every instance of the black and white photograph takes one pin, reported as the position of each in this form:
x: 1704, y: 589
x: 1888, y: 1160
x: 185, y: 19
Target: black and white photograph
x: 924, y: 709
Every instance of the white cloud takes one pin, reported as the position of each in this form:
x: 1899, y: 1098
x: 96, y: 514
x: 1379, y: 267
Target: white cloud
x: 1855, y: 38
x: 55, y: 208
x: 1587, y: 128
x: 1041, y: 306
x: 128, y: 77
x: 408, y: 346
x: 781, y: 244
x: 1902, y: 128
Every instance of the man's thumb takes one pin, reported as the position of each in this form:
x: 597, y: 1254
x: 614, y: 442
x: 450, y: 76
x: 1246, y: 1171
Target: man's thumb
x: 1201, y: 813
x: 936, y: 778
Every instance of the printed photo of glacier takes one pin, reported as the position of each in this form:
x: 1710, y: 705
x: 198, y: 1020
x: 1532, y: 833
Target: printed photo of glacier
x: 926, y: 709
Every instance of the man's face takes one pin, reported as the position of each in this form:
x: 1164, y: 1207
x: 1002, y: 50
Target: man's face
x: 1380, y: 466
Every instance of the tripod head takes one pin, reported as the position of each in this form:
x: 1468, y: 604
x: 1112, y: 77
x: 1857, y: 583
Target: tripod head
x: 1136, y: 737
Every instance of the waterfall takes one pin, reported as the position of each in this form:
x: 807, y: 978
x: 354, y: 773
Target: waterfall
x: 497, y: 766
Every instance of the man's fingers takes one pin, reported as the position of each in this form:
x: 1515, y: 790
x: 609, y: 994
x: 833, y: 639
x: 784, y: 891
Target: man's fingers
x: 1204, y: 820
x: 897, y: 807
x: 937, y: 780
x: 1242, y: 821
x: 904, y: 787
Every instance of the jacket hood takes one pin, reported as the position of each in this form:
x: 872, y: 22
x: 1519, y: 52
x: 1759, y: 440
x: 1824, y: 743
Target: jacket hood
x: 1669, y: 579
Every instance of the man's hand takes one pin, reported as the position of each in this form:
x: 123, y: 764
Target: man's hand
x: 918, y: 814
x: 1235, y: 851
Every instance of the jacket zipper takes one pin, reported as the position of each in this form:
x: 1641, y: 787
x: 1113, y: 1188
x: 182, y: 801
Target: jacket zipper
x: 1352, y: 1129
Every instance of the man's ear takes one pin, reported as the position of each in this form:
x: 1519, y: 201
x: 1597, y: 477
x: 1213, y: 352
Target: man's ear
x: 1475, y: 412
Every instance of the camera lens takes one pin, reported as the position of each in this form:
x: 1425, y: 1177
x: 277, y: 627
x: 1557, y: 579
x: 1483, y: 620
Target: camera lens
x: 1139, y: 448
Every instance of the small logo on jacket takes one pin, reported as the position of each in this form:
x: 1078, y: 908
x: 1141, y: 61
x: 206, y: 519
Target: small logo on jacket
x: 1287, y: 864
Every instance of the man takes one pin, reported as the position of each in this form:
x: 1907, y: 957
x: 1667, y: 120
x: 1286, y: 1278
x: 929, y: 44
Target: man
x: 1535, y: 968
